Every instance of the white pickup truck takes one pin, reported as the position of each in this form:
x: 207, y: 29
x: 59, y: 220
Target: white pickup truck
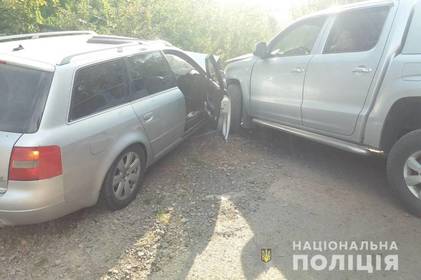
x: 349, y: 77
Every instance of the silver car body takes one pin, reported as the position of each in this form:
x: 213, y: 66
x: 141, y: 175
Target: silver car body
x: 88, y: 145
x: 341, y: 99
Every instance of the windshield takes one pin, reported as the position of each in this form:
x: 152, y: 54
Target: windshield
x: 23, y: 93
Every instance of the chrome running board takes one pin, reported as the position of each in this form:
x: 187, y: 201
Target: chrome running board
x: 333, y: 142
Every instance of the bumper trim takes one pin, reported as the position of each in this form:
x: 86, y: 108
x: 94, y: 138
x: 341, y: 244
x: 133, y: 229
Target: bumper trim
x: 32, y: 216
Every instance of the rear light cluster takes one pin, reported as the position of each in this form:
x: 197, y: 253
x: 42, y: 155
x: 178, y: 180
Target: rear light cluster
x: 33, y: 164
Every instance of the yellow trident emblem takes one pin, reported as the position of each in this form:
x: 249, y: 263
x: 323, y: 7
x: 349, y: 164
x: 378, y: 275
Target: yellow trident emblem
x: 266, y: 255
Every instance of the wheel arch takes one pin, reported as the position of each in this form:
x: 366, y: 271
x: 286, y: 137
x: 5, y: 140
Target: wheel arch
x: 403, y: 117
x: 240, y: 72
x: 132, y: 139
x: 245, y: 100
x: 237, y: 83
x: 233, y: 81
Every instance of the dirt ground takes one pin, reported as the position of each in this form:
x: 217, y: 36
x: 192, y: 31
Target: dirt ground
x: 207, y: 209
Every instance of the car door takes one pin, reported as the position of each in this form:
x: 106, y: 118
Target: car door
x: 338, y: 80
x: 200, y: 78
x: 220, y: 102
x: 158, y: 103
x: 277, y: 80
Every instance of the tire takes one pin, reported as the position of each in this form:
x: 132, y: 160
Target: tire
x: 235, y: 95
x: 404, y: 151
x: 120, y: 193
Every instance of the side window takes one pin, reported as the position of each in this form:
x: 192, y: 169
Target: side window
x: 356, y: 31
x: 179, y: 66
x: 99, y: 87
x: 413, y: 42
x: 149, y: 74
x: 299, y: 39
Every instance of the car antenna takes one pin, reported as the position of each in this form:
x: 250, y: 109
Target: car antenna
x: 19, y: 48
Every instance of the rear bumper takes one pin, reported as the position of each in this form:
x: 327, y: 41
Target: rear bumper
x: 32, y: 202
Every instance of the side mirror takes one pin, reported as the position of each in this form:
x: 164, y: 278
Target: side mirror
x: 261, y: 50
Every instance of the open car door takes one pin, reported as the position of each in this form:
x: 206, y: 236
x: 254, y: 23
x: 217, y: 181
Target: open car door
x: 219, y: 108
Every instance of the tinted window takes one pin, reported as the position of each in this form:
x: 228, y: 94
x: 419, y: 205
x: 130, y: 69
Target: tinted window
x: 413, y: 41
x: 23, y: 93
x: 299, y: 39
x: 149, y: 74
x: 356, y: 31
x: 99, y: 87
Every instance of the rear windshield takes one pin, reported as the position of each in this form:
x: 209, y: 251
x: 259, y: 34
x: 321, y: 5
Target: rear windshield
x: 23, y: 93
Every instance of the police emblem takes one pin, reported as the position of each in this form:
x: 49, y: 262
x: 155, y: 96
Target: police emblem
x: 266, y: 255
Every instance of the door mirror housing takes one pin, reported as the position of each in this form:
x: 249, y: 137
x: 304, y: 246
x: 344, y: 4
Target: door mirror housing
x: 261, y: 50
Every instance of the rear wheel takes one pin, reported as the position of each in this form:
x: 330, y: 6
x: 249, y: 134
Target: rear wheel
x: 234, y: 93
x: 124, y: 178
x: 404, y: 170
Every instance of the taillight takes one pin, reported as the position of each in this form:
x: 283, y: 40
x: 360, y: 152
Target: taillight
x: 33, y: 164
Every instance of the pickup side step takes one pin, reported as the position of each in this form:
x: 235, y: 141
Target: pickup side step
x: 340, y: 144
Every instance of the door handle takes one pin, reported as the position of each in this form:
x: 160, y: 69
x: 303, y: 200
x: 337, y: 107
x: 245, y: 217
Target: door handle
x: 362, y: 69
x: 298, y: 70
x: 148, y: 117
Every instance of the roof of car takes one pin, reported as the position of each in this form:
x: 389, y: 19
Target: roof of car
x: 352, y: 6
x: 365, y: 4
x: 52, y: 49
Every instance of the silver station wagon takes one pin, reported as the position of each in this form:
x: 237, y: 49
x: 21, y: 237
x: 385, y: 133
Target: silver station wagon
x: 82, y: 116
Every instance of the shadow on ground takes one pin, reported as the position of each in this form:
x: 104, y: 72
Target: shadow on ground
x: 208, y: 208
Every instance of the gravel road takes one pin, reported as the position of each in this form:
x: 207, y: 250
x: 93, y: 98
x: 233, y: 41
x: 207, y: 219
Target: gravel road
x: 207, y: 209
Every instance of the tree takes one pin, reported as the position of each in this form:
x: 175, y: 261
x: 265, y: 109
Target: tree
x: 197, y: 25
x: 19, y: 16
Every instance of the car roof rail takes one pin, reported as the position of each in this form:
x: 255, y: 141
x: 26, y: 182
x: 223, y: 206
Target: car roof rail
x: 119, y: 48
x: 31, y: 36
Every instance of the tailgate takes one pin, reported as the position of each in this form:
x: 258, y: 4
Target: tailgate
x: 7, y: 141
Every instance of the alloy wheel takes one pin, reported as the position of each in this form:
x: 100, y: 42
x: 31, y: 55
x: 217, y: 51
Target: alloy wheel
x: 412, y: 174
x: 126, y: 175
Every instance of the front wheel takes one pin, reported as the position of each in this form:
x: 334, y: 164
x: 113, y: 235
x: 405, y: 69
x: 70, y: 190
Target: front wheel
x: 404, y: 171
x: 124, y: 178
x: 224, y: 119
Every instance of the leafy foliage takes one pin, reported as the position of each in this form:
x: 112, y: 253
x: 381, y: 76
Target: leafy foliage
x: 20, y: 15
x: 197, y: 25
